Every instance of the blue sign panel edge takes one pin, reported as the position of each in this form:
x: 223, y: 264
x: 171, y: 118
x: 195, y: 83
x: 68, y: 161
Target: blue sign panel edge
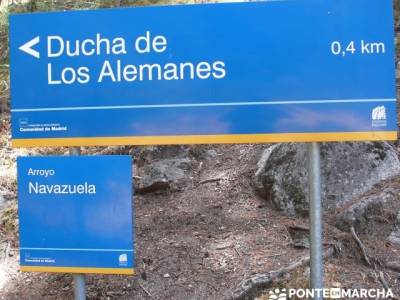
x: 72, y: 269
x: 377, y: 89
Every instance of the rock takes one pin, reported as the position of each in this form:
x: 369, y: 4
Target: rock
x: 3, y: 251
x: 394, y: 237
x: 259, y: 184
x: 223, y: 245
x: 364, y: 213
x: 300, y: 237
x: 161, y: 167
x: 163, y: 174
x: 211, y: 153
x: 3, y: 202
x: 347, y: 170
x: 283, y: 177
x: 149, y: 154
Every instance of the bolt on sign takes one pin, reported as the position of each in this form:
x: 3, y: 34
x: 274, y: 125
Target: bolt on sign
x: 273, y: 71
x: 75, y: 214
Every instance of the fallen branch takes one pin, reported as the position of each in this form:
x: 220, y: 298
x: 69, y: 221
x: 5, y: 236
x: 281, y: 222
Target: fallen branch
x: 210, y: 180
x: 250, y: 286
x: 385, y: 284
x: 383, y: 281
x: 275, y: 255
x: 3, y: 263
x: 387, y: 265
x: 237, y: 251
x: 6, y: 254
x: 361, y: 245
x: 146, y: 291
x: 299, y: 226
x: 392, y: 266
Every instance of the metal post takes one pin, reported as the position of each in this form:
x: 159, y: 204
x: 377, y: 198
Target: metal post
x: 74, y: 151
x: 314, y: 183
x: 79, y: 287
x: 79, y: 279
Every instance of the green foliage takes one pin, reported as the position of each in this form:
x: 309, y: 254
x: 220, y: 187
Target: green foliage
x: 57, y: 5
x: 3, y: 36
x: 4, y: 70
x: 9, y: 220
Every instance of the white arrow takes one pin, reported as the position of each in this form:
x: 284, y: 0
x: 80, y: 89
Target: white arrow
x: 27, y: 47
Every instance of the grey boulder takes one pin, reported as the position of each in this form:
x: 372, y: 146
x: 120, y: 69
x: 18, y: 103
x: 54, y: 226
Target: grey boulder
x: 347, y: 170
x: 365, y: 213
x: 163, y: 174
x: 394, y: 237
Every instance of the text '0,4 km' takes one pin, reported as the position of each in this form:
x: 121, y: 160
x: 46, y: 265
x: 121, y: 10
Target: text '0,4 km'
x: 363, y: 47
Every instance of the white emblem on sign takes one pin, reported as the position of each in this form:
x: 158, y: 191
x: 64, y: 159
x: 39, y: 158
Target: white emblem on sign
x: 379, y: 116
x: 379, y: 113
x: 23, y: 122
x: 27, y: 47
x: 123, y: 259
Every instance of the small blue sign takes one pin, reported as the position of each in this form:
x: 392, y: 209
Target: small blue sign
x: 268, y: 71
x: 75, y: 214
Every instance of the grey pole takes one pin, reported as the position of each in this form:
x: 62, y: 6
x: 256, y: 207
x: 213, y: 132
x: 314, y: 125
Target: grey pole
x: 314, y: 183
x: 79, y: 279
x: 79, y: 287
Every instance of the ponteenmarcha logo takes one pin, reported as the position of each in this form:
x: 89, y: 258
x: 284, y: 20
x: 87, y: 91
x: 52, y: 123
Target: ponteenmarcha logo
x: 332, y: 293
x: 277, y: 294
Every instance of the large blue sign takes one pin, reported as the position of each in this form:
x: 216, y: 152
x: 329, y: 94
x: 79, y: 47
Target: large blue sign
x: 269, y: 71
x: 75, y: 214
